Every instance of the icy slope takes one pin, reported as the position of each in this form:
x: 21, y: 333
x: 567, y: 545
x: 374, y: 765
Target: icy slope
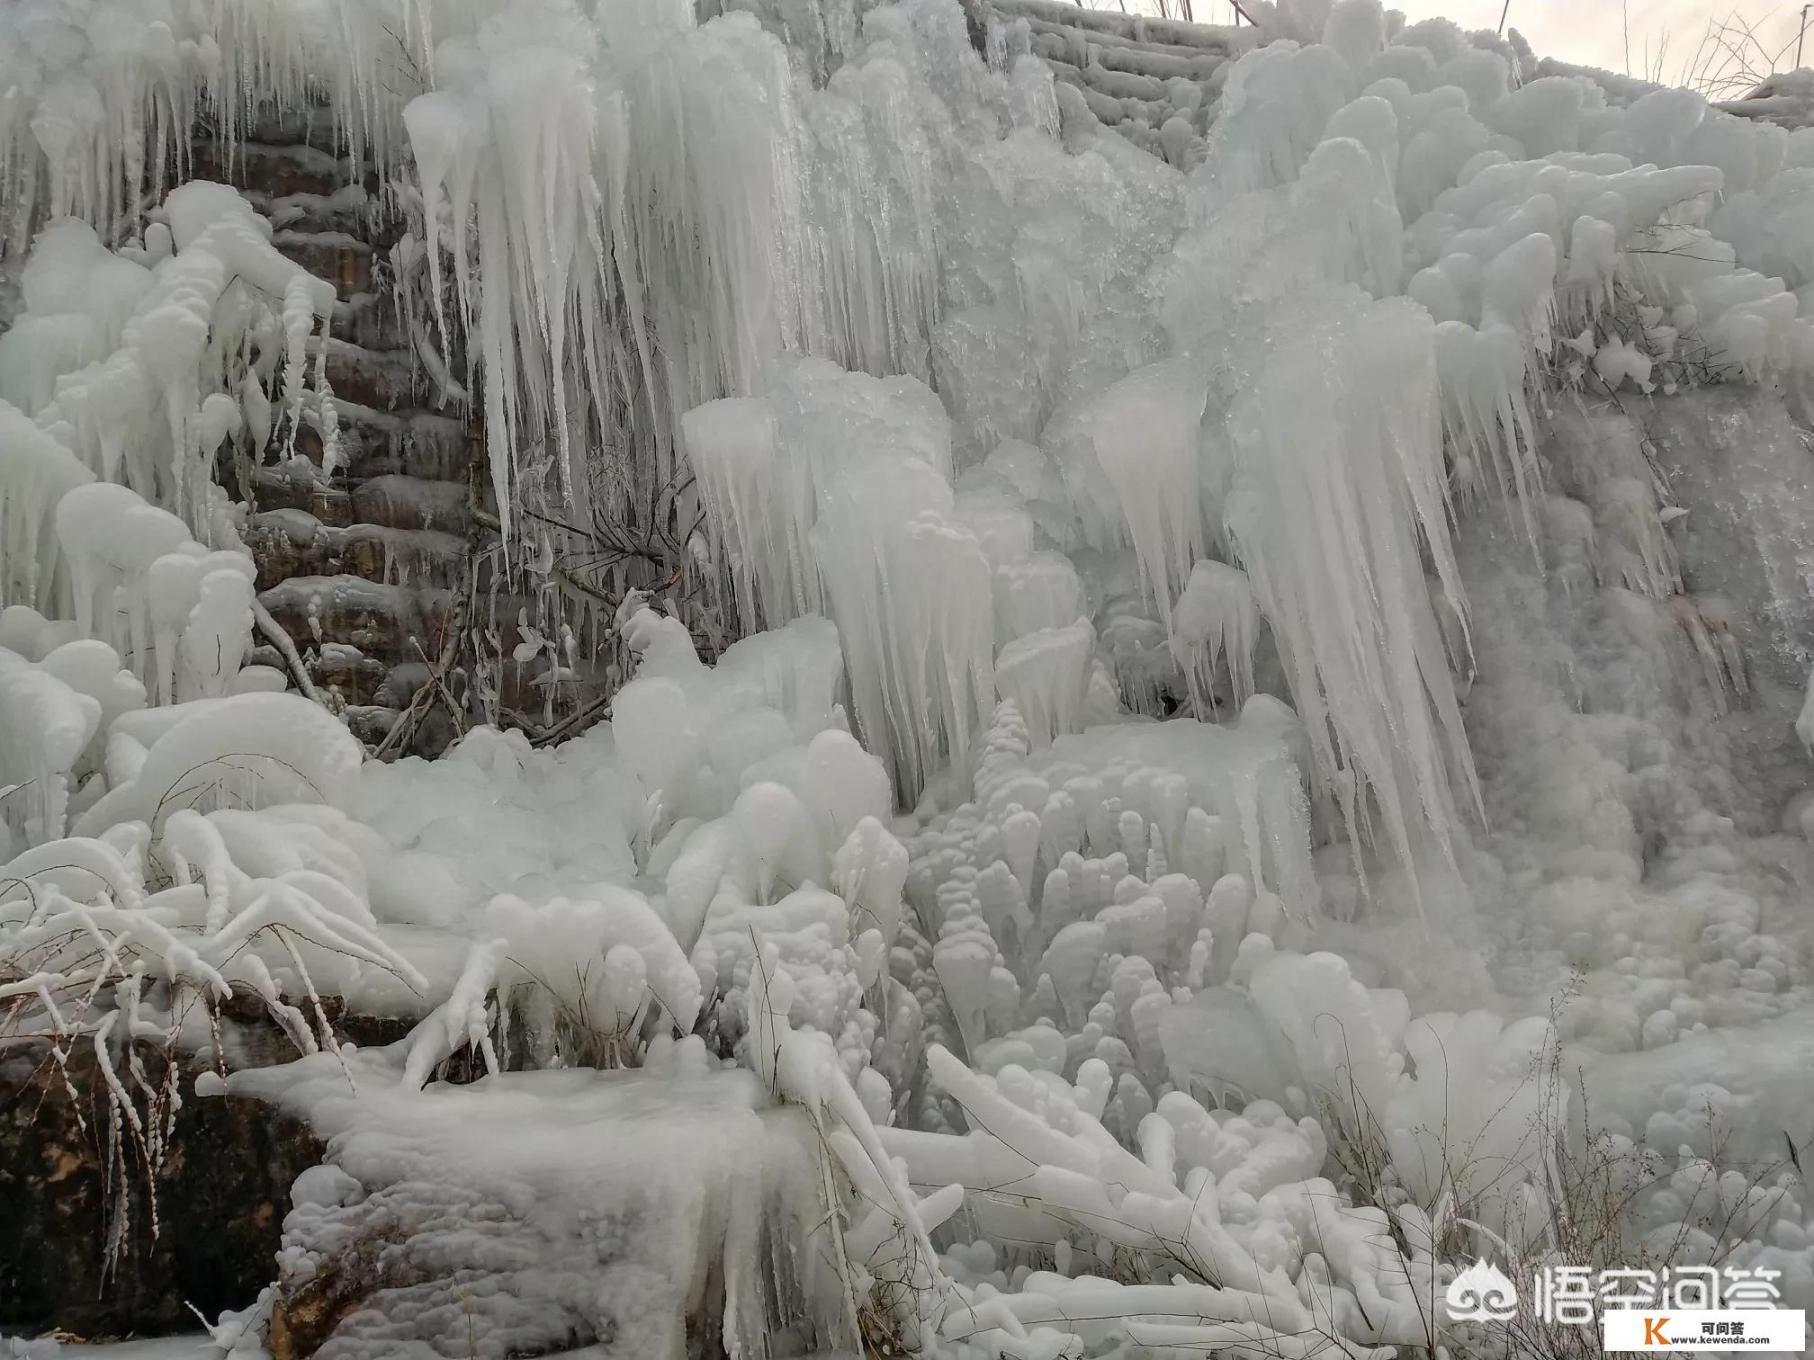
x: 1272, y: 768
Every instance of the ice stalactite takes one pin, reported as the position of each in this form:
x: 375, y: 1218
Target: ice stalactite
x: 100, y: 106
x: 671, y: 210
x: 765, y: 466
x: 1216, y: 623
x: 673, y: 216
x: 1041, y: 590
x: 1338, y: 468
x: 833, y: 493
x: 1145, y: 431
x: 910, y: 590
x: 1046, y: 673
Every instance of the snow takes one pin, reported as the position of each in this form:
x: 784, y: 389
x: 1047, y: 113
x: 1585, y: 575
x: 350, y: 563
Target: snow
x: 161, y: 1348
x: 1270, y: 582
x: 545, y: 1251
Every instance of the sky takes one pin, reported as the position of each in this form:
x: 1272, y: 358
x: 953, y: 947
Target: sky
x: 1592, y: 32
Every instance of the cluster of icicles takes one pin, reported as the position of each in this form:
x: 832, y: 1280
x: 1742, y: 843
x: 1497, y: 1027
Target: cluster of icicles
x: 676, y: 208
x: 123, y: 579
x: 673, y: 209
x: 1273, y: 386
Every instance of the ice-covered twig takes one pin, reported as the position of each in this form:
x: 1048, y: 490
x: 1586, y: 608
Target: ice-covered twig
x: 463, y: 1020
x: 279, y: 637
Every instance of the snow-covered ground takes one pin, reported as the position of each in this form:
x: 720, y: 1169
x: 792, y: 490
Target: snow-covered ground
x: 1266, y: 759
x: 163, y: 1348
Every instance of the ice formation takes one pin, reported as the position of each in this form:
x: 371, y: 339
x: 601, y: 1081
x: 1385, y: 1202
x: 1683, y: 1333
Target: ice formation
x: 1265, y: 754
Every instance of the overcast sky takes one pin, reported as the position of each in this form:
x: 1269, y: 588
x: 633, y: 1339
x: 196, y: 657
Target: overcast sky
x: 1591, y: 32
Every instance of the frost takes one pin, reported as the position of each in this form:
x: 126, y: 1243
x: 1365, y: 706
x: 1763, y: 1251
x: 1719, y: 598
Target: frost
x: 1269, y: 576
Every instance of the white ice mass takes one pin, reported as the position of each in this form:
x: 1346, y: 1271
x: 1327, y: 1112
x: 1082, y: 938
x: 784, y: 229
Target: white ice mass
x: 1254, y: 752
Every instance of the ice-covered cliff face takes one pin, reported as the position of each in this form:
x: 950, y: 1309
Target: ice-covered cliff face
x: 1279, y: 653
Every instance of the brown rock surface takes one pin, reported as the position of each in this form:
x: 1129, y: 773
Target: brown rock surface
x: 221, y: 1194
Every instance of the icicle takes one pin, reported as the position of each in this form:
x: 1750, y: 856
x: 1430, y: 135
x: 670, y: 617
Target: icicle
x: 909, y: 591
x: 1046, y: 674
x: 1216, y: 621
x: 1145, y: 430
x: 1338, y: 467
